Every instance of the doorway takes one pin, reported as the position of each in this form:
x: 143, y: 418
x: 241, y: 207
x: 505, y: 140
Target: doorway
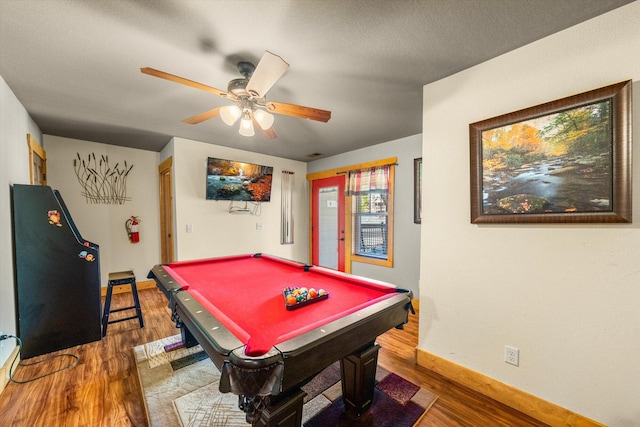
x: 328, y: 222
x: 37, y: 162
x: 166, y: 211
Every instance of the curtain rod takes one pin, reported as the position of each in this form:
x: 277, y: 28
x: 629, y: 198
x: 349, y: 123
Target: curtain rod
x: 371, y: 167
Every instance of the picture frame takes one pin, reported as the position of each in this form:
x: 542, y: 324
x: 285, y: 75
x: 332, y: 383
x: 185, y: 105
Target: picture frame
x: 417, y: 190
x: 565, y: 161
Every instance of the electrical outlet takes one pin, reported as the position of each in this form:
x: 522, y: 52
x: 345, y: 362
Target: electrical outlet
x: 511, y: 355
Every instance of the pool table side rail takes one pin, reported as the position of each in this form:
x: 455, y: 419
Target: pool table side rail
x: 225, y: 341
x: 195, y: 262
x: 312, y: 351
x: 291, y: 263
x: 359, y: 280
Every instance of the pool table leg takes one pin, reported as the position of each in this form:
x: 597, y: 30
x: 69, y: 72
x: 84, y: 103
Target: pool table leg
x: 359, y: 379
x: 188, y: 340
x: 283, y: 411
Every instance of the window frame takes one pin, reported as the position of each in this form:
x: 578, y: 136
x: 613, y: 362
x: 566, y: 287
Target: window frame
x: 349, y: 202
x: 371, y: 225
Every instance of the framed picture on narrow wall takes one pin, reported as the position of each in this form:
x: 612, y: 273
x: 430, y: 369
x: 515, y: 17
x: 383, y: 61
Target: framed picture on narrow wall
x: 565, y: 161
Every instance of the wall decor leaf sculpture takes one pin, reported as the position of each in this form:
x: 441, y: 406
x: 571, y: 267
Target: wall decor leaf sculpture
x: 100, y: 182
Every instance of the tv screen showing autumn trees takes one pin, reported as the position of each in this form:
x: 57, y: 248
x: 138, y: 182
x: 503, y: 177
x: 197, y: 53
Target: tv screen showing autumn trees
x: 229, y: 180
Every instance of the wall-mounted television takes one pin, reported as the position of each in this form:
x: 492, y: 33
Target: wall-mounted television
x: 229, y: 180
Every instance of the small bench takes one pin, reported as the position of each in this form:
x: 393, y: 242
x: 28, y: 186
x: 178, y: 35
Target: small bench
x: 117, y: 279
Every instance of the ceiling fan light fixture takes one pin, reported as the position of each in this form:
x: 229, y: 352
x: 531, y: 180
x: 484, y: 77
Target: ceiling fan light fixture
x: 229, y: 114
x: 264, y: 119
x: 246, y: 125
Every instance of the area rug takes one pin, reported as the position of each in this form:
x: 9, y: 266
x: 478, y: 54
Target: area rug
x: 180, y: 388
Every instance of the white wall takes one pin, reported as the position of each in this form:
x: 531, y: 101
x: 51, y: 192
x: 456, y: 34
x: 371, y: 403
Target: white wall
x: 15, y: 124
x: 104, y: 224
x: 217, y: 232
x: 567, y: 296
x: 406, y: 269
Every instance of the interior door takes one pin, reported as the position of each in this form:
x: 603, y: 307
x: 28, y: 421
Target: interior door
x: 37, y: 162
x: 166, y: 211
x: 328, y: 232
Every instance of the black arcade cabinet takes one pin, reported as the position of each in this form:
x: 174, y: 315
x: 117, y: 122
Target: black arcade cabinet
x: 57, y: 274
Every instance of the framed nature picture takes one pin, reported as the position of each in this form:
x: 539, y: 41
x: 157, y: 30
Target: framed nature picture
x: 566, y: 161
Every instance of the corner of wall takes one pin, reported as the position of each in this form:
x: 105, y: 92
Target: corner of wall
x: 5, y: 368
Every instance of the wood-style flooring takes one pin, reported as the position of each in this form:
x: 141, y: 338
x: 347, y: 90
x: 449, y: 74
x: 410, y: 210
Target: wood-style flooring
x: 103, y: 388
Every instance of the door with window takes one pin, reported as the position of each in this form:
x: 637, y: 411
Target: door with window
x: 328, y: 228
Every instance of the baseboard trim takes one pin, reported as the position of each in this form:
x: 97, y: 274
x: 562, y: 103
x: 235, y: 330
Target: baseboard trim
x: 4, y: 369
x: 120, y: 289
x: 522, y: 401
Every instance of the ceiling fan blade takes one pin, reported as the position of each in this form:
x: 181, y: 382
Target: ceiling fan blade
x: 202, y: 116
x: 270, y: 68
x: 161, y: 74
x: 299, y: 111
x: 266, y: 134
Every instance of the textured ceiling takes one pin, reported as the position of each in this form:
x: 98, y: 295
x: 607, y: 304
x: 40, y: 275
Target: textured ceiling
x: 75, y: 65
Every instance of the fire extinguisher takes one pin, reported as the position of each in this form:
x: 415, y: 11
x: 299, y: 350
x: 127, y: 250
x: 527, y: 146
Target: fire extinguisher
x: 132, y: 229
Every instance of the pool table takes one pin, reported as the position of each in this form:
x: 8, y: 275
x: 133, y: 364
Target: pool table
x: 265, y: 349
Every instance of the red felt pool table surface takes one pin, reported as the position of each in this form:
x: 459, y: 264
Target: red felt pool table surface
x: 244, y: 293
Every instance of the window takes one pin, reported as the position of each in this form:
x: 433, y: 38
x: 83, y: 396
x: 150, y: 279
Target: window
x: 371, y: 192
x: 370, y: 224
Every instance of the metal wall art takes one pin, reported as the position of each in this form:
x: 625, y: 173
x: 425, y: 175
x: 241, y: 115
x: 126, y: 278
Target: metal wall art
x: 100, y: 182
x: 417, y: 190
x: 286, y: 209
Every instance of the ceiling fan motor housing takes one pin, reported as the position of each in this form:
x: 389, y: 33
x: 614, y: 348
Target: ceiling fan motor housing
x: 238, y: 87
x: 246, y: 69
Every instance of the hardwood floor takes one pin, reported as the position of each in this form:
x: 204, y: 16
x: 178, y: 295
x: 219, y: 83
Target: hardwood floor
x: 103, y: 390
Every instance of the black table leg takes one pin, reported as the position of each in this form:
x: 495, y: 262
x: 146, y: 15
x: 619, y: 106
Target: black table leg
x: 359, y: 379
x: 284, y: 410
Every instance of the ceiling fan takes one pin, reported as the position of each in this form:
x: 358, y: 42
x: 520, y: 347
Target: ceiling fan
x: 248, y: 97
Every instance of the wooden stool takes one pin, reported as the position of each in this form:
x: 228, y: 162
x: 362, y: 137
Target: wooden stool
x: 116, y: 279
